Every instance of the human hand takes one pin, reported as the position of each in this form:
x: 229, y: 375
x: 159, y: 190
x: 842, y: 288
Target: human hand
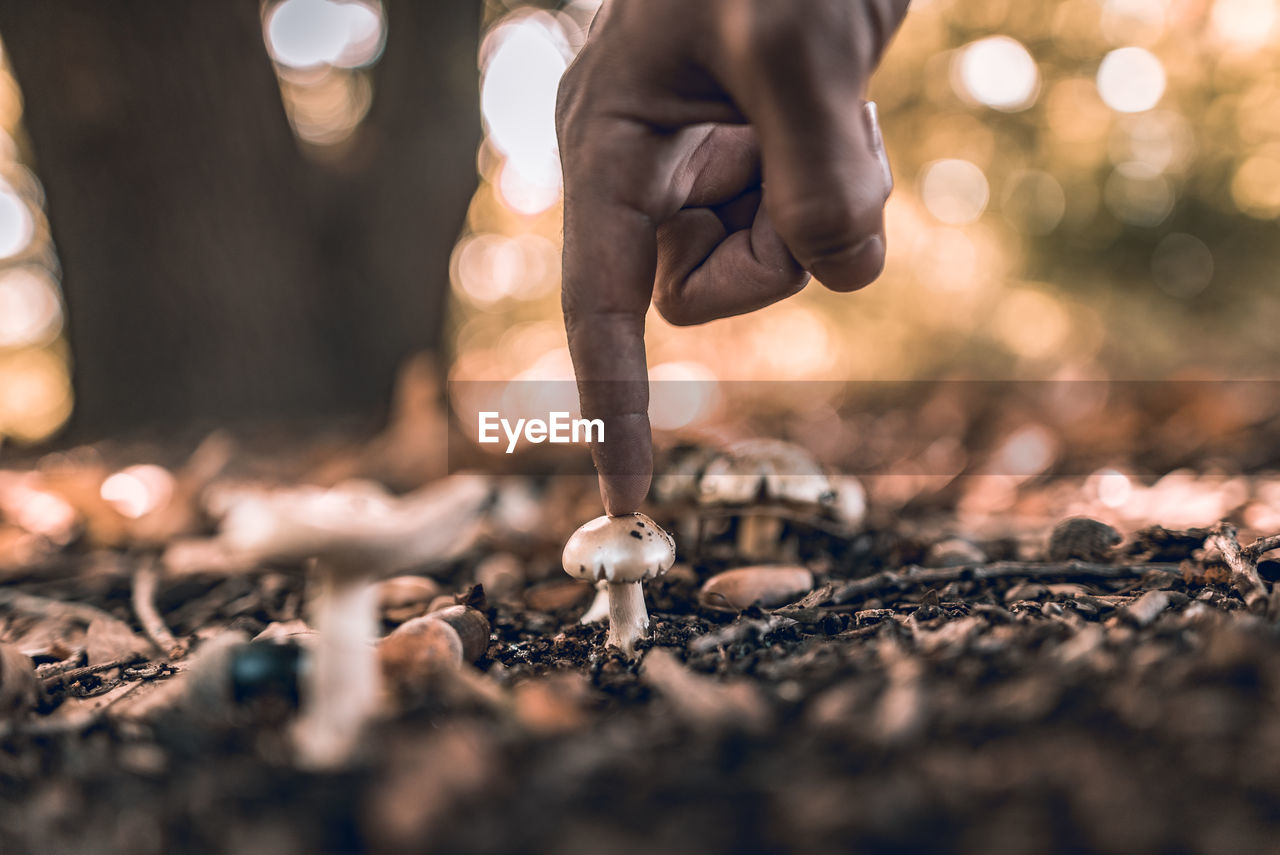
x: 714, y: 154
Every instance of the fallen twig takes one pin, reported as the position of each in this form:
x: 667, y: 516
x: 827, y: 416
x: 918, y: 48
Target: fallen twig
x: 65, y: 678
x: 73, y: 722
x: 915, y: 576
x: 1243, y: 565
x: 51, y: 608
x: 1148, y: 607
x: 739, y: 631
x: 144, y: 606
x: 1262, y: 546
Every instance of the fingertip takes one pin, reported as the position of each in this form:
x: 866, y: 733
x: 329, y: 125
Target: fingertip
x: 623, y: 494
x: 624, y: 461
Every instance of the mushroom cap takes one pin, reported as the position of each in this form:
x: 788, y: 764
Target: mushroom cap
x: 626, y: 548
x: 356, y: 525
x: 678, y: 478
x: 770, y: 467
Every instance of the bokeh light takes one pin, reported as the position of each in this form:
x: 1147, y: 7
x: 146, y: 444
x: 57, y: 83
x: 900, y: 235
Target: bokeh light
x: 16, y: 224
x: 1113, y: 487
x: 1133, y: 20
x: 524, y: 59
x: 321, y: 49
x: 326, y: 108
x: 1131, y: 79
x: 35, y: 394
x: 489, y: 268
x: 1032, y: 324
x: 955, y: 191
x: 682, y: 394
x: 30, y: 312
x: 138, y: 490
x: 1027, y: 451
x: 1160, y: 138
x: 35, y: 388
x: 312, y: 33
x: 999, y: 72
x: 1256, y: 187
x: 39, y: 511
x: 1245, y: 24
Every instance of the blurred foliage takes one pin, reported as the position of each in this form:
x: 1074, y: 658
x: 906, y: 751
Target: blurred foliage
x: 1084, y: 190
x: 35, y: 393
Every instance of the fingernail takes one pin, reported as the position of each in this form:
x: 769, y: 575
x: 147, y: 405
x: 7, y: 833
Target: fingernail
x: 872, y: 113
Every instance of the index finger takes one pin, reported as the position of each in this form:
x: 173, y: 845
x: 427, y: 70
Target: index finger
x: 610, y: 252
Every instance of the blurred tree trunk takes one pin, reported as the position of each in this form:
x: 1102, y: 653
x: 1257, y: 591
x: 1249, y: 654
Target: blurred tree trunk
x: 212, y: 271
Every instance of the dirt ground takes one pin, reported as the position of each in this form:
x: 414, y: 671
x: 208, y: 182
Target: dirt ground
x: 938, y: 688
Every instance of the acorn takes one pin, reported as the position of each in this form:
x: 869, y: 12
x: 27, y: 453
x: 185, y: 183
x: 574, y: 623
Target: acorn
x: 425, y: 647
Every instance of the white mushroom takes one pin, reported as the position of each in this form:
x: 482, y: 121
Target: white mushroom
x: 763, y: 469
x: 599, y: 608
x: 354, y: 535
x: 622, y: 551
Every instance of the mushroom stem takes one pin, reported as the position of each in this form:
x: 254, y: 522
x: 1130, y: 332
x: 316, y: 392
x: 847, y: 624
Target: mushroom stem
x: 759, y: 535
x: 599, y: 608
x: 628, y: 618
x: 343, y: 689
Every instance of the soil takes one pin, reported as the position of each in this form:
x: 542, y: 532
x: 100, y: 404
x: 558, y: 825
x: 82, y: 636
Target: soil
x: 1119, y: 702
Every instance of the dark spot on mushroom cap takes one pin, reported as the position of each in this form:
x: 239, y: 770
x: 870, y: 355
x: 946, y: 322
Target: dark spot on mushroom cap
x: 582, y: 568
x: 639, y: 524
x: 635, y: 534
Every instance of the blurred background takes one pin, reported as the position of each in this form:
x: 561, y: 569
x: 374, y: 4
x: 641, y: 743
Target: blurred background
x: 263, y: 211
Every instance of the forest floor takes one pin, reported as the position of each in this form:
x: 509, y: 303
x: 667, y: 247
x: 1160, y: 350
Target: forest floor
x: 1022, y: 688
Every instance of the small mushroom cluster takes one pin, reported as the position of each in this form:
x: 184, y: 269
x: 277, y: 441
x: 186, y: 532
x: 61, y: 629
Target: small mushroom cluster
x: 762, y: 484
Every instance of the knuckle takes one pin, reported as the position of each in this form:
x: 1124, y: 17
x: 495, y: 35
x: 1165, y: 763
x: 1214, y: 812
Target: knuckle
x: 823, y: 227
x: 838, y: 241
x: 672, y: 309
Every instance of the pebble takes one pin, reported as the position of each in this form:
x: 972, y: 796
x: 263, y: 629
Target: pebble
x: 1083, y: 539
x: 422, y: 649
x: 1026, y: 591
x: 1149, y: 606
x: 417, y: 651
x: 954, y: 552
x: 764, y: 586
x: 866, y: 617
